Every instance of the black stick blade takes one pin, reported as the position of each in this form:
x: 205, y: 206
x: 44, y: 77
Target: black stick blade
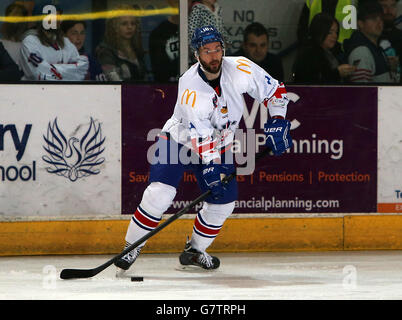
x: 77, y: 273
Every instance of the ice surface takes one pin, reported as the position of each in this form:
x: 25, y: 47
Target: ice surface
x: 343, y: 275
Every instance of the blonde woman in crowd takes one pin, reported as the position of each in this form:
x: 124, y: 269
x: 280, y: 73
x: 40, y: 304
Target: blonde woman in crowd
x: 120, y: 53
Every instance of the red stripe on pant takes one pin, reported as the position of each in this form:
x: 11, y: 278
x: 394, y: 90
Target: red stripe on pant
x: 203, y: 229
x: 145, y: 220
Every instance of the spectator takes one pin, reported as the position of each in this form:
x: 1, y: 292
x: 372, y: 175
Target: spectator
x: 255, y: 47
x: 320, y: 60
x: 120, y: 54
x: 29, y: 5
x: 207, y: 13
x: 12, y: 32
x: 9, y: 70
x: 47, y: 55
x: 75, y: 31
x: 391, y: 38
x: 332, y: 7
x: 164, y: 48
x: 362, y: 49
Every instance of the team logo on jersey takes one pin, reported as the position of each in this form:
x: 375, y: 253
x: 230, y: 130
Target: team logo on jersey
x: 74, y: 157
x: 243, y: 65
x: 189, y: 94
x: 224, y: 109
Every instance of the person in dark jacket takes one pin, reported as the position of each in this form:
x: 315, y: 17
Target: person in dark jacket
x: 334, y: 8
x: 363, y: 49
x: 320, y: 61
x: 164, y: 48
x: 392, y: 34
x: 120, y: 53
x: 9, y: 70
x: 255, y: 47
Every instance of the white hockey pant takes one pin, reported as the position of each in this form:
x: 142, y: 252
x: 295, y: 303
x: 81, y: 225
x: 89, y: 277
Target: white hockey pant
x: 208, y: 223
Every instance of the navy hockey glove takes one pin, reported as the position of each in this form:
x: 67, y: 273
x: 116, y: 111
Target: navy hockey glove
x: 212, y: 176
x: 278, y: 136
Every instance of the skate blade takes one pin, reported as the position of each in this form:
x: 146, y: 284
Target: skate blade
x: 193, y: 268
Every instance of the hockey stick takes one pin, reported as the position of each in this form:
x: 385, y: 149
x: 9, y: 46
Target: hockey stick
x: 88, y: 273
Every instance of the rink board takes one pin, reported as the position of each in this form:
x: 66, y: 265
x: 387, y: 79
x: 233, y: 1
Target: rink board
x: 389, y: 150
x: 331, y: 168
x: 60, y: 149
x: 355, y: 232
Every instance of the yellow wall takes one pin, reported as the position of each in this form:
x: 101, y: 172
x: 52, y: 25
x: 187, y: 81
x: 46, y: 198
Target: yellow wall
x: 355, y: 232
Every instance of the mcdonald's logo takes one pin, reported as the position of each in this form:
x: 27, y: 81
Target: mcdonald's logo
x: 243, y: 63
x: 189, y: 94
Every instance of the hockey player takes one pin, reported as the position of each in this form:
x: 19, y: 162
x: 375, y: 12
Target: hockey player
x: 208, y: 110
x: 47, y: 55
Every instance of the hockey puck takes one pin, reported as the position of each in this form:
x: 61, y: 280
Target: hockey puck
x: 137, y: 278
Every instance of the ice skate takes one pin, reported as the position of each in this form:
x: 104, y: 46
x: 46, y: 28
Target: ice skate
x: 125, y: 262
x: 194, y: 259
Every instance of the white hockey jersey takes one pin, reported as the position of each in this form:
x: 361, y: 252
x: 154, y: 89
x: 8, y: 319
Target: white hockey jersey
x: 40, y: 62
x: 206, y: 122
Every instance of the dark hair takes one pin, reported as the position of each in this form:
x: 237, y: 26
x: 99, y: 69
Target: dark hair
x: 57, y: 37
x: 48, y: 37
x: 319, y: 28
x: 255, y: 28
x: 14, y: 31
x: 369, y: 8
x: 68, y: 24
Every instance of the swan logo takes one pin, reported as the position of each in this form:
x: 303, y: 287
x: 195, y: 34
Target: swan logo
x: 74, y: 158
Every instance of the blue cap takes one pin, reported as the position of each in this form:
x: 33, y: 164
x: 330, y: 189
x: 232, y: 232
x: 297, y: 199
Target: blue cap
x: 204, y: 35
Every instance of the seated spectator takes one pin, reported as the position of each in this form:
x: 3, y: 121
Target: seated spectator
x: 334, y: 8
x: 29, y: 5
x: 75, y: 31
x: 320, y: 60
x: 164, y: 48
x: 255, y: 47
x: 47, y: 55
x: 393, y: 35
x: 120, y: 53
x: 362, y: 49
x: 12, y: 32
x: 9, y: 70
